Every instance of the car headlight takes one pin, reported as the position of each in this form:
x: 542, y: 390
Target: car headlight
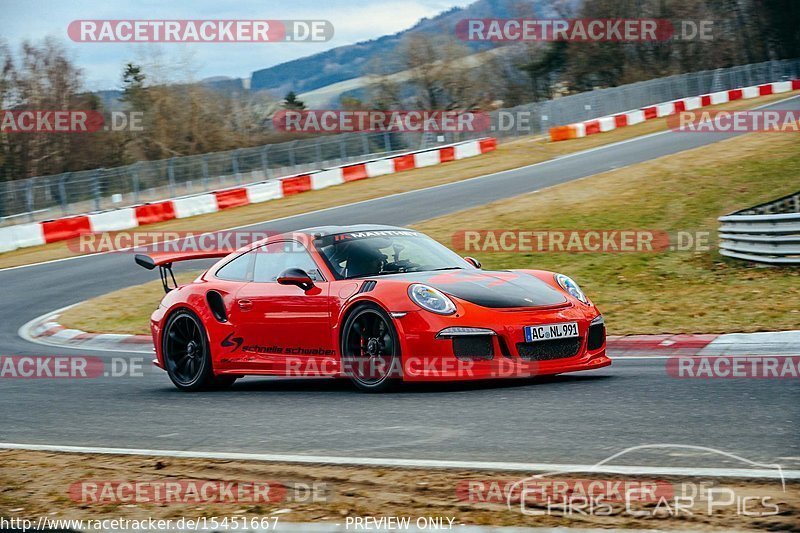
x: 431, y: 299
x: 569, y: 285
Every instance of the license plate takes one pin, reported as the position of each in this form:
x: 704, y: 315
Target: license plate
x: 547, y: 332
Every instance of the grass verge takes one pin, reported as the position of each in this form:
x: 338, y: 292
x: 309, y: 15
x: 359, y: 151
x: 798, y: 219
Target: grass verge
x: 671, y: 291
x: 513, y: 154
x: 38, y: 484
x: 124, y: 311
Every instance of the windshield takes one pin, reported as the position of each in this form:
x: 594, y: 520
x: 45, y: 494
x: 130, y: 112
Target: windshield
x: 375, y: 253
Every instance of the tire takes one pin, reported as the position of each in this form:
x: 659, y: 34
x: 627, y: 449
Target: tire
x: 370, y: 350
x: 187, y: 357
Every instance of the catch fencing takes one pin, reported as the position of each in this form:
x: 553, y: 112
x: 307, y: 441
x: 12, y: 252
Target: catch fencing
x: 767, y: 233
x: 48, y: 197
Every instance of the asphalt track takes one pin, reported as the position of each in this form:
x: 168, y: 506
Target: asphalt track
x: 579, y: 418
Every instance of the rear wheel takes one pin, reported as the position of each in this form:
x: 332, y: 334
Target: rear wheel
x: 187, y: 356
x: 370, y: 350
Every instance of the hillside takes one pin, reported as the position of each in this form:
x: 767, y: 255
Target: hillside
x: 351, y: 61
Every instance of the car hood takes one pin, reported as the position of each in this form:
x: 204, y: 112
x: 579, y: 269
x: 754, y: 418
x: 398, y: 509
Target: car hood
x: 496, y: 289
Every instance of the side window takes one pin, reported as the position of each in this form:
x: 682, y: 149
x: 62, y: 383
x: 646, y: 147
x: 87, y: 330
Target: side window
x: 237, y: 269
x: 273, y: 259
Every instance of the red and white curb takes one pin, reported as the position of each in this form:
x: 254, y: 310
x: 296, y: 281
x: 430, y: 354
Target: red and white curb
x: 47, y: 330
x: 259, y: 190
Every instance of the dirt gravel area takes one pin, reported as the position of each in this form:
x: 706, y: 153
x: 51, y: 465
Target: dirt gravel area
x: 63, y: 485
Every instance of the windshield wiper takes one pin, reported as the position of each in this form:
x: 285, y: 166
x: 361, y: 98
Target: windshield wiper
x: 390, y: 273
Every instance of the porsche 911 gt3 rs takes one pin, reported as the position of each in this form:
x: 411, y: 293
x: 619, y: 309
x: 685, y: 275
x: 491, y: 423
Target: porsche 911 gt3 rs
x: 375, y: 304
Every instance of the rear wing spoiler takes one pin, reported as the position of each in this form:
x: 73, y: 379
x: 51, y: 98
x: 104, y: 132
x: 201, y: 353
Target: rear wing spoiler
x: 164, y: 262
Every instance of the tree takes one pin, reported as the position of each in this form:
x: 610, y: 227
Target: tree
x: 291, y: 101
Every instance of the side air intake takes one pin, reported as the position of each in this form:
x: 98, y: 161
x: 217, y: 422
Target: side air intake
x: 217, y: 306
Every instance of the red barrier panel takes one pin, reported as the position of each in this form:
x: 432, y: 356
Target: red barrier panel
x: 705, y: 100
x: 404, y: 162
x: 355, y: 172
x: 446, y: 154
x: 296, y: 184
x: 65, y: 228
x: 620, y: 121
x: 231, y: 198
x: 765, y: 90
x: 152, y: 213
x: 650, y: 112
x: 680, y: 106
x: 796, y: 85
x: 592, y: 127
x: 487, y: 145
x: 734, y: 94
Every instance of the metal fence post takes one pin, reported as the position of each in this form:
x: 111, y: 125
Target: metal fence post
x: 204, y: 170
x: 62, y: 192
x: 343, y: 150
x: 96, y: 188
x: 292, y: 158
x: 135, y: 180
x: 318, y: 150
x: 265, y: 160
x: 29, y: 198
x: 235, y: 166
x: 387, y: 142
x: 171, y: 175
x: 365, y: 142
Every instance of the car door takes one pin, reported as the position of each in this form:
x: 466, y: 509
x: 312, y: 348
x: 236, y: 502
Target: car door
x: 284, y: 328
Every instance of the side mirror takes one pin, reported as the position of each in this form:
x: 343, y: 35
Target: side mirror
x: 472, y: 261
x: 296, y: 276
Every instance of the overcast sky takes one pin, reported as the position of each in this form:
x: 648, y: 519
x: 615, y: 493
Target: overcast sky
x: 353, y: 21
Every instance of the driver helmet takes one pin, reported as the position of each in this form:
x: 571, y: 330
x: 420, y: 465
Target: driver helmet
x: 363, y: 258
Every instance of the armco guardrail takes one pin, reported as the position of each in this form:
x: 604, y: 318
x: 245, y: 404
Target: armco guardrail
x: 768, y: 233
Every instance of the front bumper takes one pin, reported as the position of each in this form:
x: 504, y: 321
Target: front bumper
x: 428, y: 357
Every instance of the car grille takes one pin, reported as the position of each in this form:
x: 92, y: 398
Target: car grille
x: 596, y: 337
x: 547, y: 350
x: 473, y: 347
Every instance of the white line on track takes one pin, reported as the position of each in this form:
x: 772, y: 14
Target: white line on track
x: 395, y: 195
x: 752, y: 473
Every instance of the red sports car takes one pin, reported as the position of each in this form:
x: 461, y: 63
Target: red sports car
x: 375, y: 304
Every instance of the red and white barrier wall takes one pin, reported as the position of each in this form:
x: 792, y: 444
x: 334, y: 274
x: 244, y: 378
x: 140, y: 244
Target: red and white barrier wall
x: 629, y: 118
x: 34, y: 234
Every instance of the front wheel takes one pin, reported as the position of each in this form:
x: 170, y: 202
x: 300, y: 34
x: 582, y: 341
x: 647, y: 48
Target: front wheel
x: 371, y: 350
x: 187, y: 356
